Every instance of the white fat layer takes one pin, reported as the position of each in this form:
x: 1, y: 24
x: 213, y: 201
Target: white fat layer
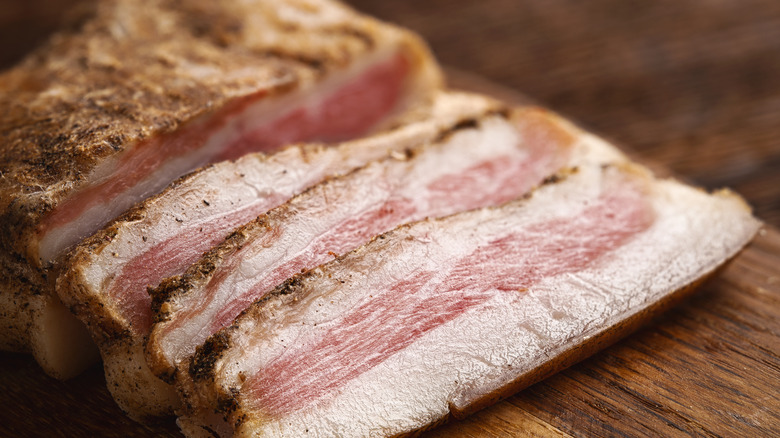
x: 319, y: 211
x: 60, y: 343
x: 489, y: 346
x: 56, y: 240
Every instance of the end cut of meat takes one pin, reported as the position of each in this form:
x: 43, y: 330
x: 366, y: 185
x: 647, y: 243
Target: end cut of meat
x: 105, y: 279
x: 106, y: 115
x: 440, y: 317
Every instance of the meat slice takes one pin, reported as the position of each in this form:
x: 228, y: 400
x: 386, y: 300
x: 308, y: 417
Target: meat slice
x: 491, y: 162
x: 144, y: 92
x: 440, y: 317
x: 104, y: 280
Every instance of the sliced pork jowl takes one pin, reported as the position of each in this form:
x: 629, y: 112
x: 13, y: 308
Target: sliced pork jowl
x: 105, y: 279
x: 439, y: 317
x: 487, y: 162
x: 144, y: 92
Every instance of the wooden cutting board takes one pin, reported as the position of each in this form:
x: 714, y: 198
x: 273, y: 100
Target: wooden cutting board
x: 711, y: 366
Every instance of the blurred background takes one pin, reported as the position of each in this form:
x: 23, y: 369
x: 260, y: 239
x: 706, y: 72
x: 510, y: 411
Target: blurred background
x: 693, y: 85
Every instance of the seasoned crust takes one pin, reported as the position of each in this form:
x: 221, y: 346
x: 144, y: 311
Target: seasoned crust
x: 197, y: 274
x: 15, y: 306
x: 141, y: 69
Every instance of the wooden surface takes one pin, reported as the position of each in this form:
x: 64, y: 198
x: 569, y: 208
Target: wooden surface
x: 692, y: 85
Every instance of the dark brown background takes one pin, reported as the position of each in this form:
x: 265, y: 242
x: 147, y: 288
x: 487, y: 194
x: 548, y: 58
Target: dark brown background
x: 693, y: 85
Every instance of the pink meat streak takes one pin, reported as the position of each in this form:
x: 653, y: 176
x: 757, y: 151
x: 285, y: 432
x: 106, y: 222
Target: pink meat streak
x: 393, y: 318
x: 346, y: 114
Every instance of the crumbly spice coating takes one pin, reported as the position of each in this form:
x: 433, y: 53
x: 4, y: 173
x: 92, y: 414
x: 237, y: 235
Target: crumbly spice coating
x: 201, y: 272
x: 139, y: 69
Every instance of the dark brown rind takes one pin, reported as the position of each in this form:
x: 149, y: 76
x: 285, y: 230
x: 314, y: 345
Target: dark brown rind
x: 22, y: 282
